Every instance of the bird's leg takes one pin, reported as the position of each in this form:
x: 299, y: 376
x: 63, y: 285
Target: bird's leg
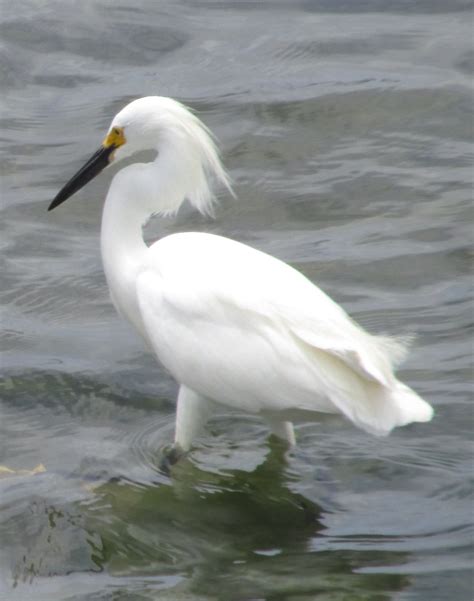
x: 170, y: 455
x: 192, y: 413
x: 282, y: 429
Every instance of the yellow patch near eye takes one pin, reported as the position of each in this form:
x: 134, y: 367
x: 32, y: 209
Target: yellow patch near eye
x: 115, y: 137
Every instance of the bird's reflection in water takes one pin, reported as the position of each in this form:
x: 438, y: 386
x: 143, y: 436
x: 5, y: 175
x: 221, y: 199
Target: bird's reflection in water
x: 238, y: 533
x: 235, y: 534
x: 236, y: 509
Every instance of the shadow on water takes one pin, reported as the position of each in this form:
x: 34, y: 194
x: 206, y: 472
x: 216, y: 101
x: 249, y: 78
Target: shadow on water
x: 230, y: 514
x: 234, y: 536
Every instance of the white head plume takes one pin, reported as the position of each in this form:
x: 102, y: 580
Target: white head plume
x: 185, y: 146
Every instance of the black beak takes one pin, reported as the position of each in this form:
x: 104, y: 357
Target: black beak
x: 98, y: 161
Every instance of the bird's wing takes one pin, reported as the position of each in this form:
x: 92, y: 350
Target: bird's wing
x: 209, y: 278
x: 372, y: 357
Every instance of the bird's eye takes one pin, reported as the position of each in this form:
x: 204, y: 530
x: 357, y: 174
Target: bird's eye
x: 116, y: 131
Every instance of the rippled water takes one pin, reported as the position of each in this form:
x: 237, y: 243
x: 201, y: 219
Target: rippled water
x: 347, y: 128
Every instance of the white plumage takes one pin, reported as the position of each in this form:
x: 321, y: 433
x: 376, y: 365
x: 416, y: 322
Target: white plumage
x: 233, y: 325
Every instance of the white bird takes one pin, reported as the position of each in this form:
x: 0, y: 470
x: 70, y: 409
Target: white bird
x: 233, y: 325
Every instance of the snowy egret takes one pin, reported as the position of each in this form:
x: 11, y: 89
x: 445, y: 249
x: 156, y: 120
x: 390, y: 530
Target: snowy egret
x: 233, y: 325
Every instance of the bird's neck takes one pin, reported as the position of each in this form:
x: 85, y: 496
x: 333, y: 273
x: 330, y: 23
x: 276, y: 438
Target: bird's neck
x: 135, y: 194
x: 123, y: 250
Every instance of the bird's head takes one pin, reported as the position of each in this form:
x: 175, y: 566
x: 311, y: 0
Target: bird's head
x: 162, y: 124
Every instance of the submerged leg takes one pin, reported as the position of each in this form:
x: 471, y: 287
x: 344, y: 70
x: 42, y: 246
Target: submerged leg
x: 192, y: 413
x: 282, y: 429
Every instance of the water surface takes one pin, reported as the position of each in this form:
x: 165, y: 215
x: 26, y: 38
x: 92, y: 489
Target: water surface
x: 347, y: 129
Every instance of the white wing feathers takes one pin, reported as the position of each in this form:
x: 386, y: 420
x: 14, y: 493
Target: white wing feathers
x: 372, y: 357
x: 228, y: 285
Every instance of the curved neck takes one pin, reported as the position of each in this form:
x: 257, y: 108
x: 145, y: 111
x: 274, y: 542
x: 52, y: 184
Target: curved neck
x: 136, y: 192
x: 122, y: 241
x: 123, y: 249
